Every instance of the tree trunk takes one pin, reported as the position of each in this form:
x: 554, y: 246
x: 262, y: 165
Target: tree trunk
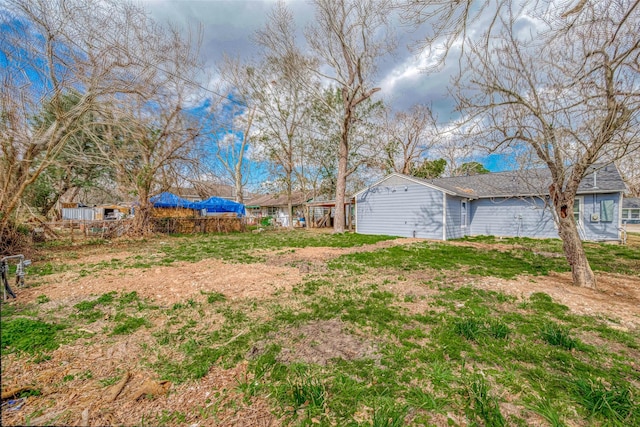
x: 341, y: 185
x: 238, y: 185
x: 574, y: 251
x: 142, y: 217
x: 289, y: 202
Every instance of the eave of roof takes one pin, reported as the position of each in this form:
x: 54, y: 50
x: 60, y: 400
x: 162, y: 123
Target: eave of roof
x: 409, y: 178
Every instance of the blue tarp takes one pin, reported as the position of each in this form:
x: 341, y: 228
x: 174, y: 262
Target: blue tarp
x: 212, y: 204
x: 217, y: 204
x: 170, y: 200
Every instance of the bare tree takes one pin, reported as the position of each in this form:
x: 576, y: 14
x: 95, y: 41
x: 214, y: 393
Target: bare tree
x: 568, y: 90
x: 280, y: 97
x: 411, y: 135
x: 108, y: 51
x: 630, y: 169
x: 231, y: 122
x: 350, y: 36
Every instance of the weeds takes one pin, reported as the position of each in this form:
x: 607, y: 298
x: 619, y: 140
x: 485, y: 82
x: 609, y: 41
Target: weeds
x: 483, y: 405
x: 614, y: 403
x: 557, y: 335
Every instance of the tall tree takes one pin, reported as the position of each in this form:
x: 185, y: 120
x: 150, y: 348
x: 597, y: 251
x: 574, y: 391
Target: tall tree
x: 75, y: 168
x: 106, y: 50
x: 350, y: 36
x: 280, y: 96
x: 470, y: 168
x: 231, y: 126
x: 429, y: 169
x: 567, y: 89
x: 410, y: 136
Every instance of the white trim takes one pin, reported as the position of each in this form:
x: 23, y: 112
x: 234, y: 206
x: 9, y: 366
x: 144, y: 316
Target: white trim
x: 466, y: 213
x: 408, y: 178
x: 355, y: 215
x: 580, y: 200
x: 620, y: 201
x: 444, y: 216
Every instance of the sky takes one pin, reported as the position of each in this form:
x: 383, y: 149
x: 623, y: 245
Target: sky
x: 228, y: 26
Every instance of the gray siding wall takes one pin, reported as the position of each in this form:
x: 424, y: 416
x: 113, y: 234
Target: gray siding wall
x: 512, y: 217
x: 398, y: 207
x: 600, y: 230
x: 454, y: 218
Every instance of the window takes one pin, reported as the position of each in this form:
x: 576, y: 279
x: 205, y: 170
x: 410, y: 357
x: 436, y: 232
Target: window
x: 272, y: 211
x: 463, y: 213
x: 606, y: 211
x: 635, y: 213
x: 625, y: 213
x: 577, y: 209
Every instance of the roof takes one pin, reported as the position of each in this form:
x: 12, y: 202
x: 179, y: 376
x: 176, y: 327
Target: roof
x: 329, y: 203
x: 631, y: 203
x: 600, y: 178
x: 277, y: 200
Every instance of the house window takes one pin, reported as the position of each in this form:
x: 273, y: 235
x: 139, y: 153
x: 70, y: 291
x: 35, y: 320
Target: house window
x: 625, y: 213
x: 463, y: 213
x: 577, y: 209
x: 272, y: 210
x: 606, y: 210
x: 635, y: 213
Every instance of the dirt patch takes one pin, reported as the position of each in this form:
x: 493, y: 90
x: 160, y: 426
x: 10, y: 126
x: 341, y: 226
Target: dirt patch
x: 318, y: 342
x: 168, y: 285
x: 617, y: 297
x: 211, y: 401
x: 315, y: 255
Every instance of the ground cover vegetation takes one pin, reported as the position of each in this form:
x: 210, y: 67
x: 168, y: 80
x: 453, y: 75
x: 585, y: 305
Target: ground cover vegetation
x: 382, y: 332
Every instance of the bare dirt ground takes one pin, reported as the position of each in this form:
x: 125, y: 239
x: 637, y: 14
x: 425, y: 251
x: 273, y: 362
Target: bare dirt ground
x: 617, y: 299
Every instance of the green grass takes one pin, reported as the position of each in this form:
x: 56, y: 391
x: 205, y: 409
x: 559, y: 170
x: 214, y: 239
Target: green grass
x: 440, y: 256
x: 29, y: 335
x: 438, y: 350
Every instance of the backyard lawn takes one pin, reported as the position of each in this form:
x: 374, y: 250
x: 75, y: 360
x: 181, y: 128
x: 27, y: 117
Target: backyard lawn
x: 310, y: 328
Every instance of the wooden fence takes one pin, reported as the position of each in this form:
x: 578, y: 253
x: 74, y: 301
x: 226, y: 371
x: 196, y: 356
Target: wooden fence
x: 78, y: 230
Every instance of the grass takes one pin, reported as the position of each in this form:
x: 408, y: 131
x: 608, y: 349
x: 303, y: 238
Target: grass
x: 29, y: 335
x: 440, y: 256
x: 447, y: 353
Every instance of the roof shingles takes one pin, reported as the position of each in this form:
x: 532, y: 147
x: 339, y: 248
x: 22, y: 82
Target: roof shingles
x: 530, y: 182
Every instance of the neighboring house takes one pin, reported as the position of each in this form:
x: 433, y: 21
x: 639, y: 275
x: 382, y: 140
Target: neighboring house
x: 631, y: 210
x: 275, y: 206
x: 509, y: 204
